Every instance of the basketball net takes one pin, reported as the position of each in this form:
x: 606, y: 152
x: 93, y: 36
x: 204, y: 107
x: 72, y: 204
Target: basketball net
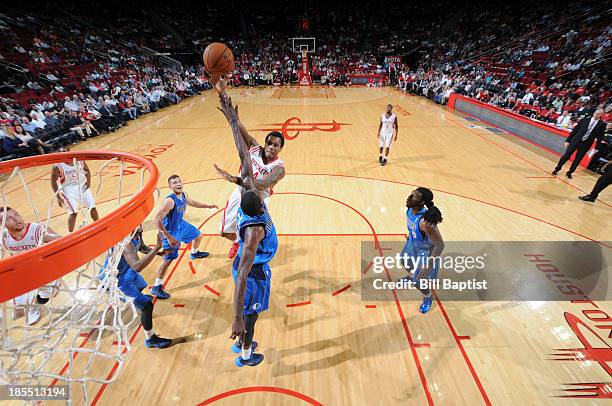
x: 83, y: 327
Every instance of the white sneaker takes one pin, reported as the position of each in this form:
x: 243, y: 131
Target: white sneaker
x: 33, y: 315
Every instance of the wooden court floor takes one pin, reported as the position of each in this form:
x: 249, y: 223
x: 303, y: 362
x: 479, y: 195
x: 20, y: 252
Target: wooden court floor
x: 322, y: 343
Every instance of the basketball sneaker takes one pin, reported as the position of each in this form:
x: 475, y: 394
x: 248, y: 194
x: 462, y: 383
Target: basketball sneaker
x: 233, y: 250
x: 253, y: 361
x: 384, y: 162
x: 33, y: 315
x: 426, y: 305
x: 157, y: 342
x: 237, y: 347
x: 159, y: 292
x: 199, y: 254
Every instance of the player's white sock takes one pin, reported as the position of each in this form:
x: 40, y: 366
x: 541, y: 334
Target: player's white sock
x: 149, y: 333
x: 159, y: 282
x: 246, y: 354
x: 193, y: 249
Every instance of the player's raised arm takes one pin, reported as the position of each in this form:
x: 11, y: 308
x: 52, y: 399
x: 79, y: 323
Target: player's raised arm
x: 220, y: 86
x: 246, y: 170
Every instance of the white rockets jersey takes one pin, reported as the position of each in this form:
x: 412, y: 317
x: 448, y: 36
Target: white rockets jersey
x: 30, y: 240
x: 260, y: 169
x: 68, y: 174
x: 387, y: 123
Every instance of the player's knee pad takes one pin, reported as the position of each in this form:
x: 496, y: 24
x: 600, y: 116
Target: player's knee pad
x: 146, y: 316
x: 250, y: 319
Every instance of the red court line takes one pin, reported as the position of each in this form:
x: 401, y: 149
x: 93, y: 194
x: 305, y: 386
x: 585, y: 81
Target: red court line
x: 367, y: 268
x: 463, y: 337
x: 463, y: 352
x: 211, y: 290
x: 422, y: 345
x: 179, y: 305
x: 67, y: 364
x: 133, y: 336
x: 299, y: 304
x: 540, y: 177
x: 463, y: 197
x: 193, y: 271
x: 370, y: 306
x: 517, y: 155
x: 272, y: 389
x: 341, y: 290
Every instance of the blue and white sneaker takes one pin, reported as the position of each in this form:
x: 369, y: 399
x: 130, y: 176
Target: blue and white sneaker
x: 199, y: 254
x: 238, y: 349
x: 159, y: 292
x: 157, y: 342
x: 253, y: 361
x: 426, y: 305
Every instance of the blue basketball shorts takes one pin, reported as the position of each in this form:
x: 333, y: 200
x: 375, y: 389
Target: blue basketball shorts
x: 131, y: 283
x: 186, y: 233
x: 257, y: 294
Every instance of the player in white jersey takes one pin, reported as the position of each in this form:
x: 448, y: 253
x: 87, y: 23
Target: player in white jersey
x: 18, y: 237
x: 268, y: 170
x: 386, y: 129
x: 70, y: 177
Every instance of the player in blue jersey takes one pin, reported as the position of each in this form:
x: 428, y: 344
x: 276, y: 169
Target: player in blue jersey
x: 175, y: 229
x: 258, y: 244
x: 424, y: 239
x: 131, y: 283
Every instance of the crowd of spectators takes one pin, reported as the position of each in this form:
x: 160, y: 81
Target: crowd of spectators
x: 553, y: 70
x: 77, y: 84
x: 549, y: 63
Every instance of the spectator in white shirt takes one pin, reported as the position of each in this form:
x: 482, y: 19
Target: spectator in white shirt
x: 564, y: 120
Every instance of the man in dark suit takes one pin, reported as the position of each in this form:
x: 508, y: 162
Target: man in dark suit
x: 580, y: 140
x: 603, y: 182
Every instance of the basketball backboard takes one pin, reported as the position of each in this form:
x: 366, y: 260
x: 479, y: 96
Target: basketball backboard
x: 299, y: 44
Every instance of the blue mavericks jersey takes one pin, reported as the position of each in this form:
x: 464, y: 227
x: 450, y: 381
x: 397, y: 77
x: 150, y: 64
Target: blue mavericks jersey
x: 173, y: 220
x: 267, y: 247
x: 123, y: 265
x: 418, y: 244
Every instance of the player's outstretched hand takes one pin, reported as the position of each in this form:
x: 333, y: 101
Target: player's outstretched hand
x: 238, y: 328
x: 226, y: 175
x: 219, y: 83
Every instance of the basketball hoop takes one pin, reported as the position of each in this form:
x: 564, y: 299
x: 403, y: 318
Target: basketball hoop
x: 86, y: 313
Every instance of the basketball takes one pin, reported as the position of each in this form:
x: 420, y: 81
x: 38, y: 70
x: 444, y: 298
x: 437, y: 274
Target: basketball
x: 218, y: 58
